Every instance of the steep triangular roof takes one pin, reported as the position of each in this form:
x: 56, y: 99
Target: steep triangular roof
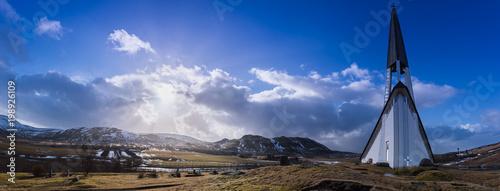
x: 396, y: 45
x: 399, y: 88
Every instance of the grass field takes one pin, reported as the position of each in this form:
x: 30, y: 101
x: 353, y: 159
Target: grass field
x: 189, y: 157
x: 314, y: 177
x: 295, y: 177
x: 39, y: 150
x: 101, y: 181
x: 200, y: 158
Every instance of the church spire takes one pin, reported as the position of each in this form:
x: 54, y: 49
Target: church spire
x: 396, y: 45
x: 396, y: 57
x: 398, y: 138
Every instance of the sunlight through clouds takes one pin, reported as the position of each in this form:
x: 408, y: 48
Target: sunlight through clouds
x: 209, y: 104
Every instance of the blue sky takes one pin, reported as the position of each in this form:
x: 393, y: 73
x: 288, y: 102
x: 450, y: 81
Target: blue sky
x: 251, y: 67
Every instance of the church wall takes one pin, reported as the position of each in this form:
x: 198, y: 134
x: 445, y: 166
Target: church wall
x: 416, y: 149
x: 400, y: 127
x: 377, y: 151
x: 374, y: 150
x: 396, y: 142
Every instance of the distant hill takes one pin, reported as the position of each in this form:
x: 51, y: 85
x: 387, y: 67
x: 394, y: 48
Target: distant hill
x: 252, y: 144
x: 24, y: 130
x: 262, y: 145
x: 484, y: 155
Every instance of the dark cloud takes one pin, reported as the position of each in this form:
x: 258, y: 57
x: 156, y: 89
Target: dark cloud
x: 445, y: 138
x: 196, y: 121
x: 355, y: 115
x: 54, y: 99
x: 445, y: 132
x: 59, y: 89
x: 220, y: 96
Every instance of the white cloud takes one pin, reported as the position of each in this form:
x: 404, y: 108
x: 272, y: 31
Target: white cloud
x: 471, y: 127
x: 51, y: 28
x: 359, y: 85
x: 293, y: 87
x: 148, y: 113
x: 330, y: 87
x: 314, y: 75
x: 193, y: 101
x: 43, y: 26
x: 131, y: 44
x: 355, y: 72
x: 430, y: 94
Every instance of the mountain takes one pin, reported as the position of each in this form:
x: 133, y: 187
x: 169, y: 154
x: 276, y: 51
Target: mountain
x: 24, y: 130
x: 95, y: 135
x: 105, y: 135
x: 262, y: 145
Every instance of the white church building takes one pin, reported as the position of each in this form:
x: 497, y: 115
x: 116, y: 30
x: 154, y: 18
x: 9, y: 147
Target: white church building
x: 399, y: 137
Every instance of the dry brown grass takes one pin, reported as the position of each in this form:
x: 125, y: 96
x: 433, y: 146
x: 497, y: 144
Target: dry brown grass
x: 97, y: 181
x: 486, y: 156
x: 299, y: 177
x: 295, y: 177
x: 40, y: 150
x: 487, y: 148
x: 203, y: 158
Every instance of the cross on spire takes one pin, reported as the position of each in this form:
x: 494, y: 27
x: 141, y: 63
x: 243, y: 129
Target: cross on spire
x: 393, y: 6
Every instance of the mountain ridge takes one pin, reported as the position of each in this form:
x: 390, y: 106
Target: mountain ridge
x: 254, y: 144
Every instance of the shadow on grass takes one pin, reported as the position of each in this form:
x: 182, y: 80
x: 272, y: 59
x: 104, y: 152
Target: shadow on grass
x: 142, y: 188
x: 26, y: 177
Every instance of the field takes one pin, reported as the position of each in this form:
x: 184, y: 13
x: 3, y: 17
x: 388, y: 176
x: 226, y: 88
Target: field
x: 117, y: 181
x: 198, y: 159
x: 294, y: 177
x: 313, y: 174
x: 356, y: 177
x: 22, y: 148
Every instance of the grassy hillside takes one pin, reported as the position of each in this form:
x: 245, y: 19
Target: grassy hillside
x: 482, y: 156
x: 296, y: 177
x: 357, y: 177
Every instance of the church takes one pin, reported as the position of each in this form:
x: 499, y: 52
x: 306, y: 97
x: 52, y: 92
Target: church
x: 399, y: 138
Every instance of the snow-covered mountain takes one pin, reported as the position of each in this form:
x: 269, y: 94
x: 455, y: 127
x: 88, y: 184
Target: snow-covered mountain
x: 262, y: 145
x: 95, y: 135
x: 107, y: 135
x: 24, y: 130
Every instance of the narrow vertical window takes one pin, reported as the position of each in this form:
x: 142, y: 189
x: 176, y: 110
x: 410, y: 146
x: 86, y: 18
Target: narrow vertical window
x: 387, y: 151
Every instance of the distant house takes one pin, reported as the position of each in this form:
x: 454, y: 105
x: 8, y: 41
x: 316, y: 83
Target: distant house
x: 462, y: 153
